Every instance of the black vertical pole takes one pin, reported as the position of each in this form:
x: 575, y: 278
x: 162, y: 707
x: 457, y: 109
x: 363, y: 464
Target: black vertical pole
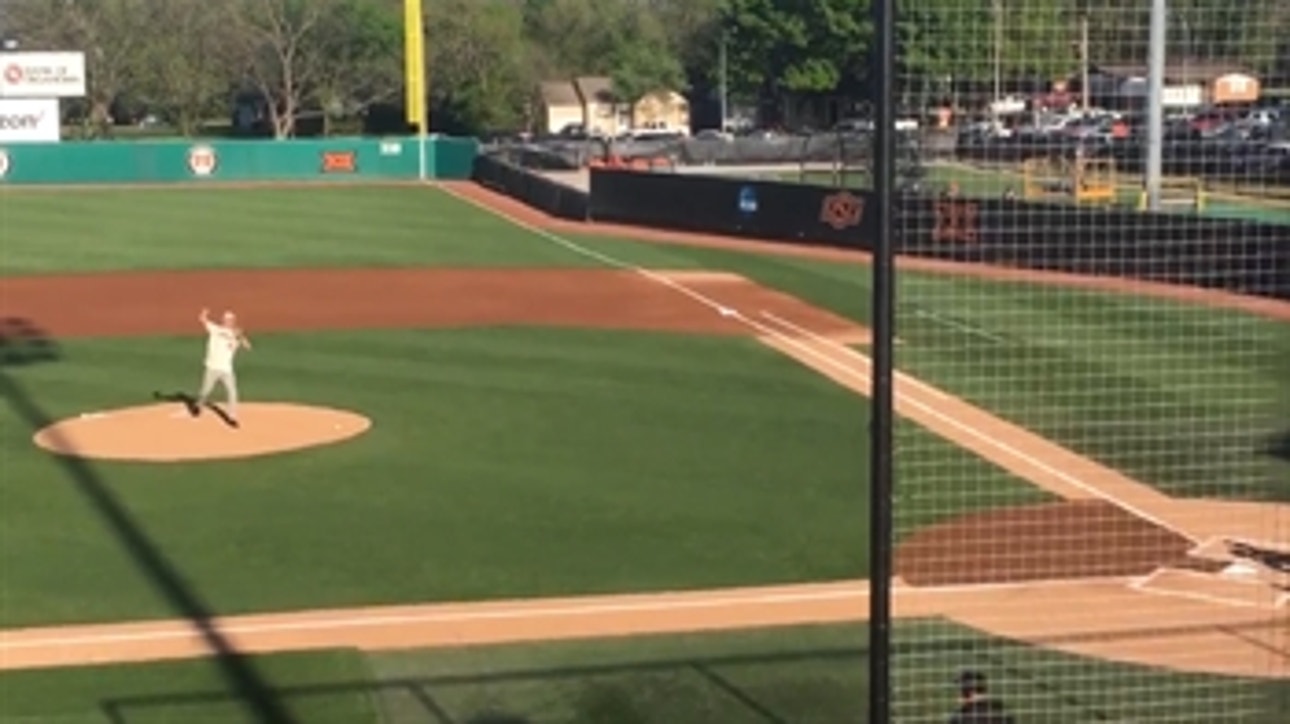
x: 881, y: 451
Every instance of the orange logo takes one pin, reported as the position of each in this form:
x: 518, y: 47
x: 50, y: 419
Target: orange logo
x: 957, y: 221
x: 339, y: 162
x: 842, y: 210
x: 202, y: 160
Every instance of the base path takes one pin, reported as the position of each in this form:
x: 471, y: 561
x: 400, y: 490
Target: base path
x: 154, y: 303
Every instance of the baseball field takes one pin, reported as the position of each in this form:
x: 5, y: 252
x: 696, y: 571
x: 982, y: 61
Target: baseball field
x: 498, y: 468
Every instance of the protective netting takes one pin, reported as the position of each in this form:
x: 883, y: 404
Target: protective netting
x: 1097, y: 524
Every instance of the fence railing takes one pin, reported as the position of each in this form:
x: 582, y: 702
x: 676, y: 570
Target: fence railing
x: 1216, y: 161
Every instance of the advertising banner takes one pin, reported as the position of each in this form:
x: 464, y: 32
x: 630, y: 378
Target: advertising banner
x: 42, y: 75
x: 29, y: 120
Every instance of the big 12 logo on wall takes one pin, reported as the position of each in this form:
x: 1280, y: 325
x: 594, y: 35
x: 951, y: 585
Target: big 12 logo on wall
x: 4, y: 164
x: 202, y: 161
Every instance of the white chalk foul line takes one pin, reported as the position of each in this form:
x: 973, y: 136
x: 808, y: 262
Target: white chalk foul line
x: 960, y: 326
x: 992, y: 442
x: 304, y: 622
x: 730, y: 312
x: 180, y: 630
x: 1202, y: 597
x: 844, y: 349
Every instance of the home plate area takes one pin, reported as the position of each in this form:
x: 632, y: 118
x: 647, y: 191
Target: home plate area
x: 1227, y: 571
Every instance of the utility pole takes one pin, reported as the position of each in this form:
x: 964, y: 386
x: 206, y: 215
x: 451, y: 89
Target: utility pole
x: 725, y: 102
x: 881, y: 387
x: 1085, y: 92
x: 998, y: 49
x: 1154, y: 162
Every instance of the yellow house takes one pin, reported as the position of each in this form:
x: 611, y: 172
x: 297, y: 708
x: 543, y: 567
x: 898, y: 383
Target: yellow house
x: 604, y: 115
x: 561, y: 106
x: 589, y: 102
x: 662, y: 110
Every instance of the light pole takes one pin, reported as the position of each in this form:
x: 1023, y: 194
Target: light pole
x: 1154, y: 162
x: 725, y: 92
x: 1085, y: 92
x: 998, y: 49
x: 1187, y: 50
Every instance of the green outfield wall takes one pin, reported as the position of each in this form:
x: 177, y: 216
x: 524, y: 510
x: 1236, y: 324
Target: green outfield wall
x: 212, y: 161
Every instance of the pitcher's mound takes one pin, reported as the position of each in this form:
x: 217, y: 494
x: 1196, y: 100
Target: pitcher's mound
x: 168, y: 433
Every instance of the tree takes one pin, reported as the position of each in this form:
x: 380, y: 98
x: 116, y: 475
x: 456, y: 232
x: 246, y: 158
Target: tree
x: 188, y: 71
x: 360, y: 46
x: 111, y: 33
x: 481, y: 77
x: 641, y: 60
x: 947, y: 40
x: 781, y: 47
x: 692, y: 30
x: 278, y: 44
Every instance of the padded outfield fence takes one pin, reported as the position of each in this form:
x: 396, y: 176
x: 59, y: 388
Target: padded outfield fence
x: 250, y: 161
x: 1233, y: 255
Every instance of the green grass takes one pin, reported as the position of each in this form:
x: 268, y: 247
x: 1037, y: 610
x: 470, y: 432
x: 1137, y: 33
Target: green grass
x: 800, y: 674
x: 185, y: 228
x: 306, y: 686
x: 502, y: 462
x: 1179, y: 396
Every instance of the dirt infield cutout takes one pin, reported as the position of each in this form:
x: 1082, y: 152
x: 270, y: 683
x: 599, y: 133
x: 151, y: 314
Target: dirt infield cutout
x: 168, y: 433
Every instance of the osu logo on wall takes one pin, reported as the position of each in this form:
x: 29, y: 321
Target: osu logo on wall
x: 957, y: 221
x: 202, y: 160
x: 842, y: 210
x: 4, y: 163
x: 339, y: 162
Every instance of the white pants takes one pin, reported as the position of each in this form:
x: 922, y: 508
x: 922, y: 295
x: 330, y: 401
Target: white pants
x: 228, y: 380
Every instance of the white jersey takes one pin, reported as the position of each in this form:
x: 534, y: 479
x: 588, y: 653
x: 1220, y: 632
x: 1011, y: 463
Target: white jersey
x: 221, y: 345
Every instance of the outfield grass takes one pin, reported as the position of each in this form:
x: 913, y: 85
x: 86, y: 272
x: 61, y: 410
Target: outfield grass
x: 502, y: 462
x: 186, y: 228
x: 803, y: 675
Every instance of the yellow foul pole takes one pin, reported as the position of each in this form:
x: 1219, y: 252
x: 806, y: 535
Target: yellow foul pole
x: 414, y: 65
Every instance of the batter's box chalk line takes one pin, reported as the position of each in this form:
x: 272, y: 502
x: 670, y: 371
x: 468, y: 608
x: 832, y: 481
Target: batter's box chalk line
x: 1153, y: 584
x: 1221, y: 542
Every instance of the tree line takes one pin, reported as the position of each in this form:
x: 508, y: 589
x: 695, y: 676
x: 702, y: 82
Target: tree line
x: 184, y: 60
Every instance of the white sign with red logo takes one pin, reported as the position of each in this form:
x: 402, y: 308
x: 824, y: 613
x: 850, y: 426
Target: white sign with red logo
x: 29, y: 120
x: 202, y: 160
x: 42, y: 75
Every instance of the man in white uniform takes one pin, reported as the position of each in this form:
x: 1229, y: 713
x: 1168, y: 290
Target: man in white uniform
x: 222, y: 343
